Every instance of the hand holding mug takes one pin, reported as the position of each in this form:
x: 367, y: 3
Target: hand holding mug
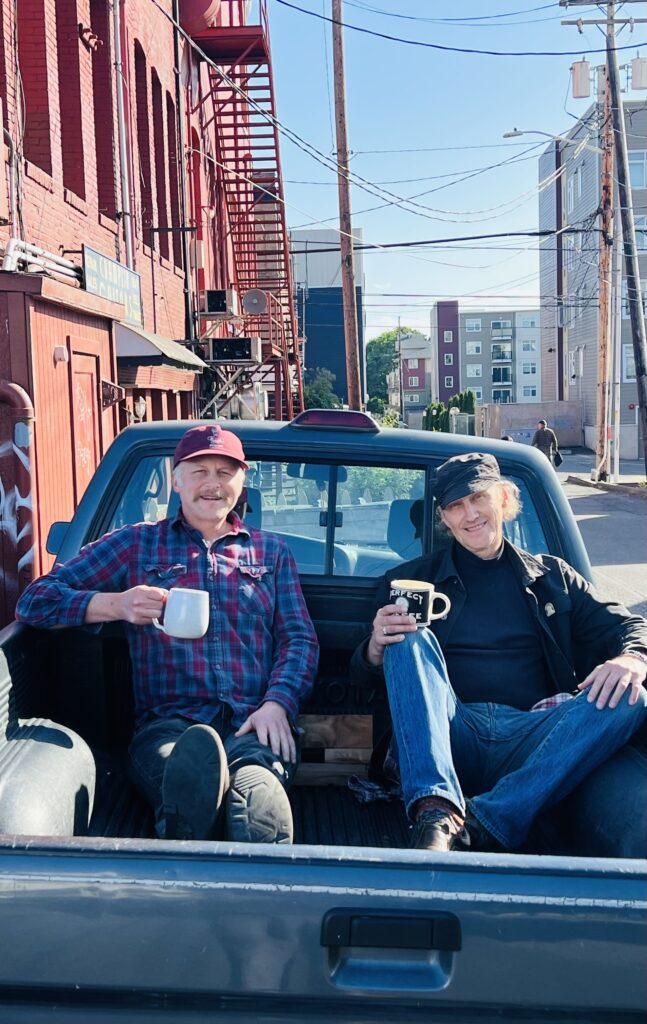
x: 186, y: 613
x: 418, y: 597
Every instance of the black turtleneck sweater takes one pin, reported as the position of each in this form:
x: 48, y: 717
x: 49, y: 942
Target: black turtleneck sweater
x: 494, y: 653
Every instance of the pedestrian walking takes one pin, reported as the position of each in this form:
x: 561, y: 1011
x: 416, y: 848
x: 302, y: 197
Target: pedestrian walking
x: 545, y: 440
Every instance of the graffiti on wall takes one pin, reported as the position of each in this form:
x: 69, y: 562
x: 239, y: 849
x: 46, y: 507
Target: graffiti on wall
x: 16, y: 508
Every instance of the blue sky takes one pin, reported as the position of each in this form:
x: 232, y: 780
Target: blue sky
x: 439, y: 115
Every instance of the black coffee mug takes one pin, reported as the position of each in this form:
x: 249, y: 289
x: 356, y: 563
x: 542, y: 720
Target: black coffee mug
x: 416, y: 597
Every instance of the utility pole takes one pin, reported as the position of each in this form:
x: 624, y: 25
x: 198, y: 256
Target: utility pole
x: 632, y: 269
x: 346, y: 234
x: 604, y: 279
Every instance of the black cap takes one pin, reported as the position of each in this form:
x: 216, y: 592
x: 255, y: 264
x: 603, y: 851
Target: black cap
x: 463, y: 475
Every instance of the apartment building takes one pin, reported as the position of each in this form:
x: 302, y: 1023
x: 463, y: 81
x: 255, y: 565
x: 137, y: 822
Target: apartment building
x: 569, y: 268
x: 494, y: 353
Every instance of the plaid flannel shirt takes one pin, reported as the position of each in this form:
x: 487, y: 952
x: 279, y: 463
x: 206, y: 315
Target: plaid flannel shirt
x: 260, y: 645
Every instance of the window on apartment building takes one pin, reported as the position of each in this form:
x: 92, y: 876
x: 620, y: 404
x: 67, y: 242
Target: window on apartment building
x: 414, y: 382
x: 638, y: 168
x: 529, y: 392
x: 501, y: 325
x: 449, y: 382
x: 625, y: 302
x: 528, y: 368
x: 474, y: 370
x: 160, y: 239
x: 472, y: 348
x: 579, y: 181
x: 413, y: 399
x: 501, y: 396
x: 69, y: 89
x: 143, y: 155
x: 32, y: 57
x: 449, y: 359
x: 570, y: 195
x: 529, y: 321
x: 102, y: 101
x: 501, y: 375
x: 173, y: 179
x: 640, y: 221
x: 478, y: 393
x: 472, y: 324
x: 528, y: 346
x: 501, y: 351
x: 448, y: 336
x: 412, y: 364
x: 628, y: 363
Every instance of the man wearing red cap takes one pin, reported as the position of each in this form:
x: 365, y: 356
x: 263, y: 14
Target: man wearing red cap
x: 215, y: 716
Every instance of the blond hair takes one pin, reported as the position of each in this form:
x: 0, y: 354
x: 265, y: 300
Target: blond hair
x: 512, y: 507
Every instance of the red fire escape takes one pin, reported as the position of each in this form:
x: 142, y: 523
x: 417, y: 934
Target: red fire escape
x: 247, y: 153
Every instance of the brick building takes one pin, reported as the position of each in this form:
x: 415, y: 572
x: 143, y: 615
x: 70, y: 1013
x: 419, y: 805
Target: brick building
x: 129, y: 194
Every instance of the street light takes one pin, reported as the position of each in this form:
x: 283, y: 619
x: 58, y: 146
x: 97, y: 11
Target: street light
x: 581, y: 143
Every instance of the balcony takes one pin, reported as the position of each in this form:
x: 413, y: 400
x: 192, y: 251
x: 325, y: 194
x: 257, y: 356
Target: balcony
x: 502, y: 353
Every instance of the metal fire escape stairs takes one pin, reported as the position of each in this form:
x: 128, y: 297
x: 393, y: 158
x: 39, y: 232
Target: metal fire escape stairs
x: 247, y: 151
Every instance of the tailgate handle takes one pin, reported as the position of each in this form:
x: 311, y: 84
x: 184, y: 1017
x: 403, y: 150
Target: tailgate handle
x: 441, y: 931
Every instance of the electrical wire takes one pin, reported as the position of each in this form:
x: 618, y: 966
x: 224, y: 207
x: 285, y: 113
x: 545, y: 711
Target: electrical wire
x: 479, y: 21
x: 454, y: 49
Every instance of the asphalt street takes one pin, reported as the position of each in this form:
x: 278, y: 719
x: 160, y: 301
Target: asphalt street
x: 614, y: 527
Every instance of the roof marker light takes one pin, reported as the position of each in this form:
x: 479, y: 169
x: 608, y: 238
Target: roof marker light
x: 335, y: 419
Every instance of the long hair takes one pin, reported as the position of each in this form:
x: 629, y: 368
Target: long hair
x: 511, y: 510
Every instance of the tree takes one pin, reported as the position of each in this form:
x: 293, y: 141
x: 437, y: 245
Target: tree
x: 380, y: 357
x: 376, y: 405
x: 436, y: 415
x: 318, y: 389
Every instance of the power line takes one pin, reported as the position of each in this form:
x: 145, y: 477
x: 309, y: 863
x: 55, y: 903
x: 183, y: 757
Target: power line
x: 544, y: 233
x: 476, y: 20
x: 455, y: 49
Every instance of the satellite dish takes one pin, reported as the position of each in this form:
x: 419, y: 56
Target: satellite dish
x: 255, y: 302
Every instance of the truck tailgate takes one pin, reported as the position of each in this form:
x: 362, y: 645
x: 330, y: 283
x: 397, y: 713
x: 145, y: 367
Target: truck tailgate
x: 147, y: 930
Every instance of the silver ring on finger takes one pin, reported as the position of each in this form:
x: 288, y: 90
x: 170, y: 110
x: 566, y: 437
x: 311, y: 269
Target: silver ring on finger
x: 385, y: 631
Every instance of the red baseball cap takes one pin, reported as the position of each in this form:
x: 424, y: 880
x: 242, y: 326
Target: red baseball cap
x: 209, y: 440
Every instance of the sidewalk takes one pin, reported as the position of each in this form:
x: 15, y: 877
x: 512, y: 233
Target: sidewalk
x: 579, y: 462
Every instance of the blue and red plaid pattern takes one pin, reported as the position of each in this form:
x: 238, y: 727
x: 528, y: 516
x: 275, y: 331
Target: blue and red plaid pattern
x: 260, y: 645
x: 551, y: 702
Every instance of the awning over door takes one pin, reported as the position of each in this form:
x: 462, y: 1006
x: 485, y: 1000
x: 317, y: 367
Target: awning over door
x: 147, y: 348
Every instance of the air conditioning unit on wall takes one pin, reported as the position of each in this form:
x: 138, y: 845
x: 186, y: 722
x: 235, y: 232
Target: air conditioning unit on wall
x: 236, y: 350
x: 220, y: 304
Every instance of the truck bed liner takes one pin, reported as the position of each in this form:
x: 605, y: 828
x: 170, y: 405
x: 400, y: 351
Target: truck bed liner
x: 323, y: 814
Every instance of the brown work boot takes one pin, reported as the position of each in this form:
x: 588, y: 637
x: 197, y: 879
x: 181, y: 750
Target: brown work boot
x: 435, y: 829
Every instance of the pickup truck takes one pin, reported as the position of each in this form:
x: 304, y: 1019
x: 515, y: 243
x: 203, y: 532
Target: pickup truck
x: 101, y: 921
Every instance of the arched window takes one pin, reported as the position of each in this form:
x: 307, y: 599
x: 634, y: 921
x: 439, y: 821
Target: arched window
x: 104, y: 114
x: 174, y: 178
x: 32, y: 56
x: 69, y: 91
x: 143, y: 144
x: 160, y: 164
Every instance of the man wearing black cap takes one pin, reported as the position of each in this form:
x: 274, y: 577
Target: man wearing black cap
x: 545, y: 440
x: 215, y: 716
x: 482, y: 701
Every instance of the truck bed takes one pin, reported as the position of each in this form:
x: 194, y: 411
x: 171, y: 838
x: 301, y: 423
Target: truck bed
x: 324, y: 815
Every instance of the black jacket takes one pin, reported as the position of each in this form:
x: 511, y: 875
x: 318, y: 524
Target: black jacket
x: 578, y: 629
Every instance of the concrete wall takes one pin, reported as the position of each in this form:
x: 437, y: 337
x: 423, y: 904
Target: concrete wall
x: 519, y: 420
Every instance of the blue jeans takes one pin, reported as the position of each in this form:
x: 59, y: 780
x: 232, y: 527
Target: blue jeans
x: 153, y: 742
x: 511, y: 763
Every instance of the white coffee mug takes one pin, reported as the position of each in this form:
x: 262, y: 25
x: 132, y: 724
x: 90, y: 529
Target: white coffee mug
x: 186, y: 614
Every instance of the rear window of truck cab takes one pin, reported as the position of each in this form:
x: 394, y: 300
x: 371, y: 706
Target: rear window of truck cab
x: 341, y: 519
